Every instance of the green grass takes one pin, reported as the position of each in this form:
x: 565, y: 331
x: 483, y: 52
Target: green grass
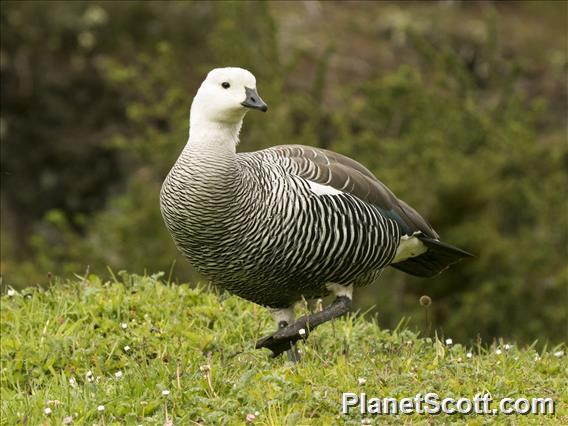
x: 198, y: 345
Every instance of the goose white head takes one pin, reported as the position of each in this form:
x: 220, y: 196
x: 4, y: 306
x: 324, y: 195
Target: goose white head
x: 222, y: 101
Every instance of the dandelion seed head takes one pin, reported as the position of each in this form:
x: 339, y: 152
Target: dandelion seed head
x: 118, y: 374
x: 101, y: 408
x: 469, y: 355
x: 47, y: 411
x: 302, y: 332
x: 67, y: 420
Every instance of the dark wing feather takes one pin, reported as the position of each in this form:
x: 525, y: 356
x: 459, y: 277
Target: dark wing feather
x: 347, y: 175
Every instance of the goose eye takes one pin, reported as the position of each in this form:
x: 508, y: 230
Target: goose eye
x: 225, y: 85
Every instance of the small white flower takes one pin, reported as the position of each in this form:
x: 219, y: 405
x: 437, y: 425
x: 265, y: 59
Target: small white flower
x: 302, y: 332
x: 537, y: 358
x: 67, y: 420
x: 127, y: 348
x: 507, y: 347
x: 458, y: 359
x: 165, y: 392
x: 559, y: 354
x: 101, y: 408
x: 498, y: 352
x: 118, y: 374
x: 449, y: 342
x: 469, y: 355
x: 257, y: 413
x: 361, y: 381
x: 47, y: 411
x: 73, y: 382
x: 11, y: 292
x: 89, y: 376
x: 250, y: 417
x: 124, y: 326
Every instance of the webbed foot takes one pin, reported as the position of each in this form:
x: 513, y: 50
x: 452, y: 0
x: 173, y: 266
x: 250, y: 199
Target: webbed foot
x: 285, y: 338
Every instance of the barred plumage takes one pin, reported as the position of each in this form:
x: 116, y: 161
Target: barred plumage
x: 288, y: 222
x: 251, y: 223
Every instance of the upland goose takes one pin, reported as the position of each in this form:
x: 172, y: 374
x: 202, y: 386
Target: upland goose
x: 286, y: 223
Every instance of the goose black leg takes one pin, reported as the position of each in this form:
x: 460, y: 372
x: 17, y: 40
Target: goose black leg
x: 293, y: 354
x: 283, y: 317
x: 285, y: 338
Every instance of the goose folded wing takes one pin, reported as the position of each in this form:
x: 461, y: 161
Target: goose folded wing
x: 346, y: 175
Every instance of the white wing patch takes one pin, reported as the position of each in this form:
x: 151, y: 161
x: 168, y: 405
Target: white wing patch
x: 319, y: 189
x: 408, y: 247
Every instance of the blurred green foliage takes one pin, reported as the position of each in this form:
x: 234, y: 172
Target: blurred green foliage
x: 454, y: 106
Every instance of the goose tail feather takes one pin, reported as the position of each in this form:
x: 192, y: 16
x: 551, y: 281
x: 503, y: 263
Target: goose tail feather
x: 439, y: 257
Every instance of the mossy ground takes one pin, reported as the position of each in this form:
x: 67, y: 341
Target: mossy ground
x: 153, y: 353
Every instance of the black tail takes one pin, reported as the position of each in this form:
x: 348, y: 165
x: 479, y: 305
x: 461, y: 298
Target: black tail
x: 439, y: 257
